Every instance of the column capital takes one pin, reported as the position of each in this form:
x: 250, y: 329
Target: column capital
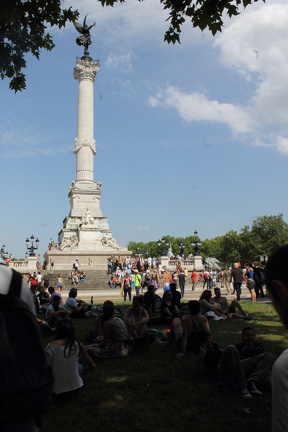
x: 86, y: 69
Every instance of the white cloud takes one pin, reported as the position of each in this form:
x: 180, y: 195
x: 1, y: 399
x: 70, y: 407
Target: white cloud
x: 197, y: 107
x: 143, y: 228
x: 254, y: 45
x: 120, y: 61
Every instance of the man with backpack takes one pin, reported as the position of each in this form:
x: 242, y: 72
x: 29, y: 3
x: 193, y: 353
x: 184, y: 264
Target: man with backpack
x: 26, y: 382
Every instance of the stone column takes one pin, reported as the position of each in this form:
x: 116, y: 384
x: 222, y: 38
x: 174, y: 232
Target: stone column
x: 85, y: 149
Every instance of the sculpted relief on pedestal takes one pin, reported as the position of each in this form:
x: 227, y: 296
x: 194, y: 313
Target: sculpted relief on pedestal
x: 109, y: 242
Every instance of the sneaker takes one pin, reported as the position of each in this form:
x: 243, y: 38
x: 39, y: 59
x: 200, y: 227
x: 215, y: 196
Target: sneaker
x: 253, y: 389
x: 244, y: 393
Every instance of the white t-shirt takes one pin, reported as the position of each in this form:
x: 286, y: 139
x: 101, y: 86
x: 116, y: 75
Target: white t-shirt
x: 65, y: 370
x: 70, y: 304
x: 280, y: 393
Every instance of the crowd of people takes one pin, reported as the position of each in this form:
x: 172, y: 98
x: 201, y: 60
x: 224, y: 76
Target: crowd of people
x: 158, y: 301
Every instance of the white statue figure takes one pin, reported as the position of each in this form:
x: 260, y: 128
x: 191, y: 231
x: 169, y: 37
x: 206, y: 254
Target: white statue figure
x: 88, y: 219
x: 66, y: 242
x: 109, y: 242
x: 212, y: 263
x: 74, y: 241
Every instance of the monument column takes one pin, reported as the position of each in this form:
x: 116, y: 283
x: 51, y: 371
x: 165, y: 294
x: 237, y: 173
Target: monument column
x: 85, y: 232
x: 85, y: 72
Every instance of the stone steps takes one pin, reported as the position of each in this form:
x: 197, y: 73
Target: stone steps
x: 94, y: 280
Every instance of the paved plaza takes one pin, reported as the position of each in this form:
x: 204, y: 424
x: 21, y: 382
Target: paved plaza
x: 99, y: 296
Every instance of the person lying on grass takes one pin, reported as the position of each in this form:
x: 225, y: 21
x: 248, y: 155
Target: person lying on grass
x: 229, y: 310
x: 256, y: 362
x: 208, y: 307
x: 226, y: 366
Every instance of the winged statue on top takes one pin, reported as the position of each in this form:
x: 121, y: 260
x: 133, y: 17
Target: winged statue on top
x: 85, y: 38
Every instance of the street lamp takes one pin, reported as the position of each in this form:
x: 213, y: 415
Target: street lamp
x: 3, y: 253
x: 182, y: 247
x: 196, y: 244
x: 32, y: 248
x: 163, y: 246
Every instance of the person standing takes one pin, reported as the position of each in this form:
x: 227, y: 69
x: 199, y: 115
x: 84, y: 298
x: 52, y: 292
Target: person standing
x: 126, y: 286
x: 76, y: 265
x: 237, y: 278
x: 182, y: 280
x: 194, y: 279
x: 227, y: 278
x: 276, y: 276
x: 138, y: 281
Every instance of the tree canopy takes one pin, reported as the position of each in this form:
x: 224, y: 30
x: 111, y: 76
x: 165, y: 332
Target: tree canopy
x: 202, y: 13
x: 262, y: 238
x: 23, y: 30
x: 24, y: 23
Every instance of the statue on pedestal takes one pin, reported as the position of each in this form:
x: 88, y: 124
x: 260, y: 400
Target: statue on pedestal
x: 85, y: 38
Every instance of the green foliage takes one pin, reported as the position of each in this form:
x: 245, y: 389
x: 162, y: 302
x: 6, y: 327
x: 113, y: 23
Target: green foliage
x: 202, y: 14
x: 264, y: 236
x: 23, y: 27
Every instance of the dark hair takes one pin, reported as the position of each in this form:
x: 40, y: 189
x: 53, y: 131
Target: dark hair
x: 206, y: 294
x: 173, y: 286
x: 65, y: 330
x: 194, y: 307
x: 51, y: 289
x: 139, y: 299
x: 151, y: 288
x: 276, y: 268
x: 108, y: 311
x: 245, y: 329
x: 72, y: 292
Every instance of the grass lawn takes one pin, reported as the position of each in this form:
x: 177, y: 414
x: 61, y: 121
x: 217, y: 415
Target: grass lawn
x: 153, y: 391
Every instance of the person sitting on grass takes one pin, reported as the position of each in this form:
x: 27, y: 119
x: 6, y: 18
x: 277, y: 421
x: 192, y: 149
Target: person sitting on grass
x: 223, y: 365
x: 256, y: 362
x: 63, y: 355
x: 151, y: 300
x: 169, y: 310
x: 136, y: 318
x: 176, y: 295
x: 114, y: 339
x: 54, y: 313
x: 229, y: 310
x: 76, y: 308
x: 183, y: 333
x: 209, y: 308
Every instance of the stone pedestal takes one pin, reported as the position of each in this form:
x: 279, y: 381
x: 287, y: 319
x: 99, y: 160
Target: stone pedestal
x: 198, y: 265
x: 31, y: 264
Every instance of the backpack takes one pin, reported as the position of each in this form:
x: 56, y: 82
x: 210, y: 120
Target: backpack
x: 26, y: 381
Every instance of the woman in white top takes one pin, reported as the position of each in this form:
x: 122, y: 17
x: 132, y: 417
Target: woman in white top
x: 63, y: 355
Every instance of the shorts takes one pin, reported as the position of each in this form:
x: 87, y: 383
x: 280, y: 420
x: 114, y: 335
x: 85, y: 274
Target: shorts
x: 251, y: 284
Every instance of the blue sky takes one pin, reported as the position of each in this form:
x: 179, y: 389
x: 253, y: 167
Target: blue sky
x: 190, y: 136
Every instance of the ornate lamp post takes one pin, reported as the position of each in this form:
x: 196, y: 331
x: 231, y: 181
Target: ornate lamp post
x: 163, y: 246
x: 31, y: 249
x: 3, y: 253
x: 182, y: 247
x: 196, y: 244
